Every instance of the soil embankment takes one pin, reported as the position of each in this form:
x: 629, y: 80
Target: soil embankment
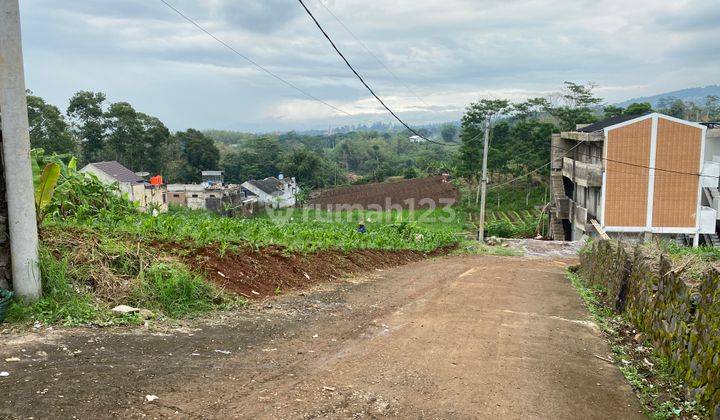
x: 270, y: 271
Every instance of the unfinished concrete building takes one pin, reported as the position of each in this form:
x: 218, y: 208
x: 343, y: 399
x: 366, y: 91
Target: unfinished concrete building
x: 637, y: 176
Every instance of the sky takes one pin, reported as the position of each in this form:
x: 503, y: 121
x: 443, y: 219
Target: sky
x: 441, y: 55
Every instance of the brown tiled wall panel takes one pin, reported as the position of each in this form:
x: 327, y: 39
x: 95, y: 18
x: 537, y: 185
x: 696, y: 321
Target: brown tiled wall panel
x: 675, y: 196
x: 626, y: 185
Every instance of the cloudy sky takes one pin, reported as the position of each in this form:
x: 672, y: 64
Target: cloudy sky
x: 445, y: 53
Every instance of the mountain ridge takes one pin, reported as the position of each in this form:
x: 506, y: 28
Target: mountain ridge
x: 693, y: 94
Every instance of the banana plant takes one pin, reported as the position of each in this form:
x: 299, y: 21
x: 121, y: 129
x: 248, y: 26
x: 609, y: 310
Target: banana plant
x: 45, y: 181
x: 45, y: 188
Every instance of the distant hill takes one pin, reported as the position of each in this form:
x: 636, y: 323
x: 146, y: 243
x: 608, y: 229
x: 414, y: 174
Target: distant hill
x: 696, y: 94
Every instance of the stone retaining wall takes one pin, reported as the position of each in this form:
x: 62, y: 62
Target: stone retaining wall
x: 5, y: 268
x: 681, y: 317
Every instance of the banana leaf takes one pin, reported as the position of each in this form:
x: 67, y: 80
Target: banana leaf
x: 46, y: 187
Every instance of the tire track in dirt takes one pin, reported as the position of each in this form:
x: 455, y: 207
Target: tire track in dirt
x: 450, y: 337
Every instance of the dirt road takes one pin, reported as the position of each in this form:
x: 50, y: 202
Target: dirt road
x: 451, y: 337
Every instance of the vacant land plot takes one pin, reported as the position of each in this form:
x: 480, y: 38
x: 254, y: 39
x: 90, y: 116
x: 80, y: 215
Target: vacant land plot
x: 429, y: 192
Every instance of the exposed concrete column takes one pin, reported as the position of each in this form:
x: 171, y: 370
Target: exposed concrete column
x: 16, y: 157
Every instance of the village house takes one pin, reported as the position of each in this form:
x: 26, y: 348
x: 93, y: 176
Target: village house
x: 635, y: 177
x: 223, y: 199
x: 212, y: 177
x: 273, y: 192
x: 147, y: 195
x: 188, y: 195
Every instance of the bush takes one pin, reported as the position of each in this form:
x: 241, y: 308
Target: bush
x: 172, y: 289
x: 62, y: 302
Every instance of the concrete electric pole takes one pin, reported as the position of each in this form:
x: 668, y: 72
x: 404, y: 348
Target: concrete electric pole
x: 484, y: 181
x: 16, y: 157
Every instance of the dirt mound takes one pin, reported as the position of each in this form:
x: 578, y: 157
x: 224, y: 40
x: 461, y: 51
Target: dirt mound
x: 417, y: 193
x: 260, y: 273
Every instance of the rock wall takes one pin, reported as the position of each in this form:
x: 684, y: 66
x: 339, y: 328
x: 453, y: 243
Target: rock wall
x: 680, y: 316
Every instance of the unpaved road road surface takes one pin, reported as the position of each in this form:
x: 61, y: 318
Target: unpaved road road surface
x: 451, y: 337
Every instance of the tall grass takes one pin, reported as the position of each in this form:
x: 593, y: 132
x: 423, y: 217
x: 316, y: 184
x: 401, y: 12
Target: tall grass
x: 172, y: 289
x: 62, y: 300
x: 73, y: 296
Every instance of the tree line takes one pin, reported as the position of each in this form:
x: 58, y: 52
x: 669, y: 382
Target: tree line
x: 93, y: 129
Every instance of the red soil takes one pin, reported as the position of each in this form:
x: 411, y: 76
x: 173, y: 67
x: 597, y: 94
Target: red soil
x: 259, y: 273
x: 421, y: 192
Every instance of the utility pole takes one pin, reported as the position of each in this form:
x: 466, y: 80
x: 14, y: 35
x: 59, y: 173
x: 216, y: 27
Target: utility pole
x: 19, y: 189
x: 484, y: 181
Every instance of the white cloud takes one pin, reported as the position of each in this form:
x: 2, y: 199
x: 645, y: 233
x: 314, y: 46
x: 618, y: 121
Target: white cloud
x: 449, y: 52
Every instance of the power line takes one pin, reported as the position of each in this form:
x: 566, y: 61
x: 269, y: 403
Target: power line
x: 532, y: 171
x: 337, y: 50
x: 253, y: 62
x: 372, y: 54
x: 602, y: 158
x: 637, y: 165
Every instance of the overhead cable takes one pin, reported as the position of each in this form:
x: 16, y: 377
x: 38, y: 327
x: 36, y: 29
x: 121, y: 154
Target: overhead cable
x: 253, y: 62
x: 337, y: 50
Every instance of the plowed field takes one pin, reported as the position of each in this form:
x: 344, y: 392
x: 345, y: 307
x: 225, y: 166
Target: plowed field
x: 429, y: 192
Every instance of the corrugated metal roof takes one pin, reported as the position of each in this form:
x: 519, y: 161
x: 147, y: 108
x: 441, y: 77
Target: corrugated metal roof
x: 117, y: 171
x: 268, y: 185
x: 600, y: 125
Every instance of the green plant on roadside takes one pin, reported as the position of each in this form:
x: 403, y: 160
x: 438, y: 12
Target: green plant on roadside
x: 62, y: 301
x: 62, y: 191
x: 172, y: 289
x: 469, y: 247
x: 45, y: 182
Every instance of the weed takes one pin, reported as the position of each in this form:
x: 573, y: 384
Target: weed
x: 474, y: 248
x: 172, y: 289
x: 62, y: 301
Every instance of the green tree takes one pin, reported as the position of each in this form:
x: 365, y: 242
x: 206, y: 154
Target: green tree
x: 48, y: 129
x: 268, y: 155
x: 239, y: 166
x: 638, y: 108
x: 87, y: 119
x: 672, y: 106
x: 448, y: 132
x: 677, y: 109
x: 200, y: 152
x: 311, y: 169
x: 175, y: 168
x: 577, y: 105
x: 712, y: 108
x: 531, y: 108
x: 124, y: 135
x: 610, y: 111
x: 154, y: 144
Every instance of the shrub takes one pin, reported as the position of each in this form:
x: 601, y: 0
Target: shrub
x: 62, y: 301
x: 172, y: 289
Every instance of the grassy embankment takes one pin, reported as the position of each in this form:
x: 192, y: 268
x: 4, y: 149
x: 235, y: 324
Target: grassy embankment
x: 90, y: 263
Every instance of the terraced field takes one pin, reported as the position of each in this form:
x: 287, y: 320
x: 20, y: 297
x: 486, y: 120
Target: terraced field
x: 524, y: 216
x: 514, y: 224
